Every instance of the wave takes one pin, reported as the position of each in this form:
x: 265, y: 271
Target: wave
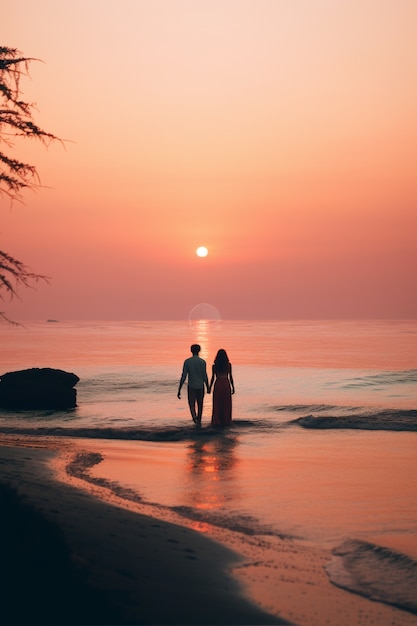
x: 157, y: 434
x: 114, y: 384
x: 318, y: 408
x: 389, y: 419
x: 376, y: 573
x: 382, y: 379
x: 319, y: 416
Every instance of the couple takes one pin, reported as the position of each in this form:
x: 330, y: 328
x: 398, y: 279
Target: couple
x: 195, y: 369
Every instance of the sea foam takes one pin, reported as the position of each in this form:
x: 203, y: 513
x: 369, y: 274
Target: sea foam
x: 375, y: 572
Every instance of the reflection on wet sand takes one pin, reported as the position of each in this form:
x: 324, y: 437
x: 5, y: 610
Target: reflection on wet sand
x: 211, y: 467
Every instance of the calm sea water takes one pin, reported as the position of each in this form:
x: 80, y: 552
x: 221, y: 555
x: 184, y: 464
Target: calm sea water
x: 268, y: 474
x: 129, y: 371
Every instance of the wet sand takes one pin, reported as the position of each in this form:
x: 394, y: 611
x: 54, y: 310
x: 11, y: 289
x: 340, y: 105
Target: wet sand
x: 145, y: 566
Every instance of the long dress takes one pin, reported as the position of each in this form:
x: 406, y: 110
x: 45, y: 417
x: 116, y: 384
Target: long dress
x: 222, y: 401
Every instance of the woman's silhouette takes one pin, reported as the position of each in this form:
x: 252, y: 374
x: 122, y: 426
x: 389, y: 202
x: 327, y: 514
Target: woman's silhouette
x: 223, y: 389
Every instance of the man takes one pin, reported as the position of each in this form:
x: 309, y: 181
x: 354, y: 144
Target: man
x: 195, y: 368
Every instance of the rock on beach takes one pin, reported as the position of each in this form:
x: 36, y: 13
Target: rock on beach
x: 38, y: 388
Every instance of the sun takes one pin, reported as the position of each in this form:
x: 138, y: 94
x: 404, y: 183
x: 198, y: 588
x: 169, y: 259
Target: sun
x: 201, y: 251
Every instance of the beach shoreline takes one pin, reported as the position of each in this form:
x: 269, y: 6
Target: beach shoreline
x: 158, y: 568
x: 146, y: 570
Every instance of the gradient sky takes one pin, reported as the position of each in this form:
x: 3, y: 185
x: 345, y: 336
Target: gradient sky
x: 281, y: 134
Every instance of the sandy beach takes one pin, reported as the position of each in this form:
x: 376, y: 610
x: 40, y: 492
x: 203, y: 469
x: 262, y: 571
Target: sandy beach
x: 141, y: 565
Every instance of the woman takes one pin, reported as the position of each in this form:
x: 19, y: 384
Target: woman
x: 223, y: 389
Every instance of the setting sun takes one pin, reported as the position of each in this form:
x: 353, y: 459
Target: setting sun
x: 201, y: 251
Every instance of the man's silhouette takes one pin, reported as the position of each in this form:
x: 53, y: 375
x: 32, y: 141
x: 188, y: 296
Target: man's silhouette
x: 196, y: 370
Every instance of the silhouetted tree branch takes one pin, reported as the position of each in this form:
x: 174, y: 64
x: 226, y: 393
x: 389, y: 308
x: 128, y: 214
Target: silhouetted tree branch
x: 16, y: 120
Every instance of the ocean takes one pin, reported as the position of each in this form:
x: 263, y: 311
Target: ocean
x: 323, y: 443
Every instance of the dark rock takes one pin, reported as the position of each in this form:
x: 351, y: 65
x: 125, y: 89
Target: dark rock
x: 38, y: 388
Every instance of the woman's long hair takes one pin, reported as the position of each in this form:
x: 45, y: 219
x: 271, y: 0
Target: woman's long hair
x: 221, y: 362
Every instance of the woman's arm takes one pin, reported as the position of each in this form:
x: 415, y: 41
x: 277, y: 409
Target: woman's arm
x: 232, y: 384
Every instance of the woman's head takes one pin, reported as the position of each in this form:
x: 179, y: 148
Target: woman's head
x: 222, y: 360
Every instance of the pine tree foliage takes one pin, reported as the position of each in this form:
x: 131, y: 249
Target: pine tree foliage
x: 16, y: 120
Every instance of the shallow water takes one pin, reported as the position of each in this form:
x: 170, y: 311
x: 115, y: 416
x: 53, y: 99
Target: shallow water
x: 296, y: 487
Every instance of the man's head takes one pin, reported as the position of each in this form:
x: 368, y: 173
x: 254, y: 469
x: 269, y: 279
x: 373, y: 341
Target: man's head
x: 195, y: 348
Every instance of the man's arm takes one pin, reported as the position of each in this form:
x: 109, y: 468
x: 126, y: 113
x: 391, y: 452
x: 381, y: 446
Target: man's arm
x: 211, y: 381
x: 182, y: 380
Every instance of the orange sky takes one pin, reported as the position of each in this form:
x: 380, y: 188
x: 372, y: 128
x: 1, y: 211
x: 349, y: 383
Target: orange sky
x: 281, y: 134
